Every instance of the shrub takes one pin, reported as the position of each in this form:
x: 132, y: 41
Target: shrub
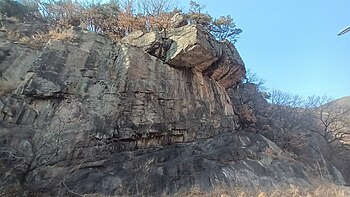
x: 224, y: 28
x: 116, y: 18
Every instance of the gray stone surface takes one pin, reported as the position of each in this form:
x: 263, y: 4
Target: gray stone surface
x: 230, y: 159
x: 121, y: 120
x: 337, y: 176
x: 178, y: 20
x: 192, y: 47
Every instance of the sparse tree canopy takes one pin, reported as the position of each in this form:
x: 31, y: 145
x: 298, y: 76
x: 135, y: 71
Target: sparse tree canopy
x: 251, y: 77
x: 332, y: 122
x: 287, y: 111
x: 116, y: 18
x: 155, y: 7
x: 202, y: 19
x: 196, y: 7
x: 224, y: 28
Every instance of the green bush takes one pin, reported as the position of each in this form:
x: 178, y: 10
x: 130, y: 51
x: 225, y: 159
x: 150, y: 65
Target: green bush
x: 224, y: 28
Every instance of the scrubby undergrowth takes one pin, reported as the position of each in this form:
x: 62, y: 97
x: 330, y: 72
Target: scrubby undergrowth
x: 326, y: 190
x: 117, y: 18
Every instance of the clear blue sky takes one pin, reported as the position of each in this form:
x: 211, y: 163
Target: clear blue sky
x: 292, y: 44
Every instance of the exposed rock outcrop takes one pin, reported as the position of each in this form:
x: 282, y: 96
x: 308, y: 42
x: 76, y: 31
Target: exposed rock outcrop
x: 193, y: 47
x: 240, y: 159
x: 146, y: 116
x: 178, y: 20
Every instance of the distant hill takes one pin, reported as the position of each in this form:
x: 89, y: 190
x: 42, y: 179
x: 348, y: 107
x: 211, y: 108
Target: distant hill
x: 342, y: 102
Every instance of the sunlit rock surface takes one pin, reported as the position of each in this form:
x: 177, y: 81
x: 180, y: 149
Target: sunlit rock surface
x: 147, y: 116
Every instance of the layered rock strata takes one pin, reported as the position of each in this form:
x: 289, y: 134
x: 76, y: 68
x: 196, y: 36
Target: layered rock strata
x: 145, y: 116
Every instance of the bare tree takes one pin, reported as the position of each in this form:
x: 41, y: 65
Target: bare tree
x: 197, y: 17
x: 332, y: 122
x: 287, y: 111
x: 252, y: 77
x: 196, y: 7
x: 155, y: 7
x: 32, y: 152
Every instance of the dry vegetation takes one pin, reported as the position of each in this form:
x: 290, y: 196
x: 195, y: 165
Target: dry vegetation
x: 291, y: 191
x: 116, y: 18
x: 314, y: 131
x: 37, y: 40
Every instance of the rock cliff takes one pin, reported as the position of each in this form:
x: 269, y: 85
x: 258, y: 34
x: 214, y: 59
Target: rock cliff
x: 147, y: 115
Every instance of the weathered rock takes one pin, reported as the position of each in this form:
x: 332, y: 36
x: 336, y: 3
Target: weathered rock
x: 193, y: 47
x: 337, y: 176
x: 15, y: 64
x: 178, y: 20
x: 231, y: 159
x: 248, y: 102
x: 100, y: 116
x: 153, y: 43
x: 141, y: 39
x: 151, y: 98
x: 229, y: 69
x: 29, y: 28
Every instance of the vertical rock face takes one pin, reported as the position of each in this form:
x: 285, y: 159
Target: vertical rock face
x: 120, y: 92
x: 133, y: 95
x: 148, y: 115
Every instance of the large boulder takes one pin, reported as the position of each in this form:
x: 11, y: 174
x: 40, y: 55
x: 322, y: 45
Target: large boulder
x: 178, y: 20
x: 195, y: 48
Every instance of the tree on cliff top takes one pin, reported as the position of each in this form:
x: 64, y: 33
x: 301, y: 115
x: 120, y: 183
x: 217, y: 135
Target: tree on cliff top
x: 222, y: 28
x: 116, y: 18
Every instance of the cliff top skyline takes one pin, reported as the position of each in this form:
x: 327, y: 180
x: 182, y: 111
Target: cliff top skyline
x: 293, y: 45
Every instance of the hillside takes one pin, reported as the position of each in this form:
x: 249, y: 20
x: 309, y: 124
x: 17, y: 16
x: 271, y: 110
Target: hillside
x: 153, y: 113
x: 131, y: 122
x: 343, y: 102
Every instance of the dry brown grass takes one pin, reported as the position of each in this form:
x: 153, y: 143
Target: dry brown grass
x: 62, y: 35
x: 36, y: 41
x: 291, y: 191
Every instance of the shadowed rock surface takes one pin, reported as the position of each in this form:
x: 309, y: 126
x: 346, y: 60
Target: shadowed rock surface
x: 233, y: 159
x: 145, y: 116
